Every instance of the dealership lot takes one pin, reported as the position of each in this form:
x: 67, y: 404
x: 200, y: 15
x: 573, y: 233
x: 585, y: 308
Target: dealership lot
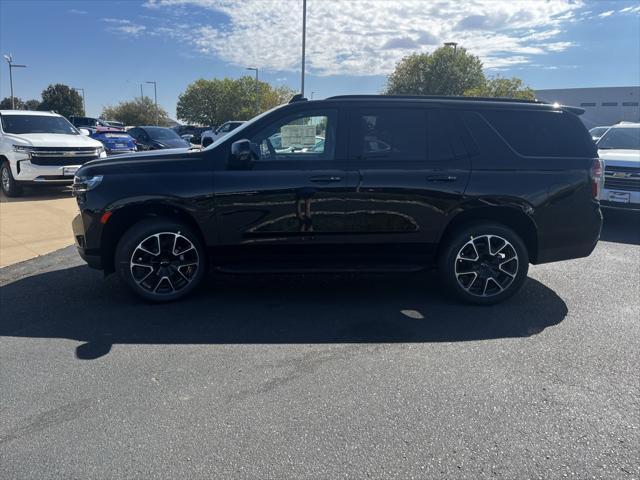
x: 323, y: 376
x: 35, y: 224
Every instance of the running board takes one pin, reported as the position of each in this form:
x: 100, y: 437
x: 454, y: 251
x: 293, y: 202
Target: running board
x: 246, y: 269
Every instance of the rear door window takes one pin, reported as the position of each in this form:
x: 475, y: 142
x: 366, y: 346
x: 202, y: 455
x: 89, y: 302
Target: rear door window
x: 542, y: 133
x: 388, y: 133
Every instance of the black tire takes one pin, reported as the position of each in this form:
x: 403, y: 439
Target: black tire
x: 163, y: 276
x: 499, y: 271
x: 10, y: 187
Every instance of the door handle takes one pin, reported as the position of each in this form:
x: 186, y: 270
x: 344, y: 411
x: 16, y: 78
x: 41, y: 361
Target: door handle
x: 441, y: 178
x: 325, y: 179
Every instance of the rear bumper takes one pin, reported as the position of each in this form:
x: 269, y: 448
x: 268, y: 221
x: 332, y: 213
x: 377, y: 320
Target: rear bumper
x: 620, y: 206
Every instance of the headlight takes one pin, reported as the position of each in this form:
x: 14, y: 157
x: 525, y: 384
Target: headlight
x: 22, y: 149
x: 82, y: 184
x: 100, y: 151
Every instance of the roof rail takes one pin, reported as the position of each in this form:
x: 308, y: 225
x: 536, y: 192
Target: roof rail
x: 297, y: 98
x: 439, y: 97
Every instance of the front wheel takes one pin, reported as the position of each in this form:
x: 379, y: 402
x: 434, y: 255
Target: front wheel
x: 10, y: 187
x: 484, y: 263
x: 160, y: 259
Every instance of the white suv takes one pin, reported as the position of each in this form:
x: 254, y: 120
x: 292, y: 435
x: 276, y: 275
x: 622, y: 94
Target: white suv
x: 619, y: 149
x: 210, y: 136
x: 41, y: 148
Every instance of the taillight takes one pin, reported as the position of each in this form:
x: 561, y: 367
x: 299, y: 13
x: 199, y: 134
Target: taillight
x: 597, y: 177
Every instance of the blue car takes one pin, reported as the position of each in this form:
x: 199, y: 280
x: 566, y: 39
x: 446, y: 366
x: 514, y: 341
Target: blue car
x: 115, y: 141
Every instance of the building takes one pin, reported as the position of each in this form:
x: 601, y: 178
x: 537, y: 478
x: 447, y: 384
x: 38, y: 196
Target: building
x: 603, y: 105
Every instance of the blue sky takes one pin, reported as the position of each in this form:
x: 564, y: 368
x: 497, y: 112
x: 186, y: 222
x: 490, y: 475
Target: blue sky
x: 110, y: 47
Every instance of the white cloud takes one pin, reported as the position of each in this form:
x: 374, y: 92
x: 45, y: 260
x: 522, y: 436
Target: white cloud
x: 635, y: 9
x: 124, y: 27
x: 606, y: 14
x: 365, y: 37
x: 78, y: 12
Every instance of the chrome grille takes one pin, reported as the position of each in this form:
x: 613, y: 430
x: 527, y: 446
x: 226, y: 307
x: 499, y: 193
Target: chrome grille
x: 622, y: 178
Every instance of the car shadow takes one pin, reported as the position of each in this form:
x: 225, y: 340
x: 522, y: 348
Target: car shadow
x: 77, y: 303
x: 44, y: 192
x: 621, y: 227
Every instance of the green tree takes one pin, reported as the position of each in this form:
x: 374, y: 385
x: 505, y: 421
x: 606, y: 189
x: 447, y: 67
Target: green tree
x: 446, y: 71
x: 5, y: 103
x: 32, y: 104
x: 504, y: 88
x: 61, y: 99
x: 141, y: 111
x: 212, y: 102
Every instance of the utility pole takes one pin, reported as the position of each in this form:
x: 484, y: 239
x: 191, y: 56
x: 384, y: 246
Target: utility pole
x: 141, y: 94
x: 155, y: 97
x: 84, y: 104
x: 9, y: 59
x: 257, y: 90
x: 304, y: 40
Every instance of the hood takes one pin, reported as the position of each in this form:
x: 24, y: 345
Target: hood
x: 620, y: 158
x: 149, y: 162
x: 53, y: 140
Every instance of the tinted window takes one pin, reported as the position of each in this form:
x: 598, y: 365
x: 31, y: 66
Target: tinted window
x: 445, y: 136
x: 542, y: 134
x: 627, y: 138
x: 22, y: 124
x: 303, y: 136
x: 391, y: 133
x: 160, y: 133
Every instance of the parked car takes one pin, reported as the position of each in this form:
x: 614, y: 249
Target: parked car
x: 597, y: 132
x: 210, y: 136
x: 157, y: 138
x: 480, y: 188
x: 191, y: 133
x: 41, y: 148
x: 91, y: 123
x: 619, y: 148
x: 115, y: 124
x: 115, y: 142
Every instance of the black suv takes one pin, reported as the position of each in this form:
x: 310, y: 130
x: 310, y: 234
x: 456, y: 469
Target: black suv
x: 478, y: 187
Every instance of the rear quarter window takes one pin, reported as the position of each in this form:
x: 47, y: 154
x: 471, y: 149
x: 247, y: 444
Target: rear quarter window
x: 542, y: 133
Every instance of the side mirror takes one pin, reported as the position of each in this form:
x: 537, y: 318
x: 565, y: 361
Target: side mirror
x: 84, y: 131
x: 187, y: 137
x: 242, y: 156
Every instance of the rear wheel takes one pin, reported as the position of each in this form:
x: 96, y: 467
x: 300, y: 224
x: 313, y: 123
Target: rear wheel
x: 10, y: 187
x: 160, y: 259
x: 484, y: 263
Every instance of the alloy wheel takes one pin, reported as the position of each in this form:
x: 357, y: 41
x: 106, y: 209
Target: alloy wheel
x: 164, y: 263
x: 6, y: 181
x: 486, y: 265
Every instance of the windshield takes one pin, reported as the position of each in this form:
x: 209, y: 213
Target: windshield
x: 244, y: 126
x: 597, y: 131
x: 627, y: 138
x: 159, y: 133
x: 21, y: 124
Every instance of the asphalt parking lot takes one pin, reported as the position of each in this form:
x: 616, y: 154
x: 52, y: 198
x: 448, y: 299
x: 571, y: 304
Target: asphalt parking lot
x: 323, y: 376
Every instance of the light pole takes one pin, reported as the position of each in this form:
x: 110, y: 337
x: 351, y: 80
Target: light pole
x: 257, y: 87
x: 84, y: 105
x: 155, y: 97
x: 304, y: 40
x: 9, y: 59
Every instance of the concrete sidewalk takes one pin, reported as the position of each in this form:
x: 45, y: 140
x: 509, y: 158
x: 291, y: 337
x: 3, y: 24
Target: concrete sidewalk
x: 35, y: 224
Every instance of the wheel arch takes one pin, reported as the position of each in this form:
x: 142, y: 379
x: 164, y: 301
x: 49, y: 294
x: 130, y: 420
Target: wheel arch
x: 125, y: 217
x: 513, y: 217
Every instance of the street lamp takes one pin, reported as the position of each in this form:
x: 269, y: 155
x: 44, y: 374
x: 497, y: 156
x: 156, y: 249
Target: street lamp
x: 155, y: 97
x: 304, y: 40
x: 9, y: 59
x: 84, y: 105
x: 452, y: 44
x: 257, y: 87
